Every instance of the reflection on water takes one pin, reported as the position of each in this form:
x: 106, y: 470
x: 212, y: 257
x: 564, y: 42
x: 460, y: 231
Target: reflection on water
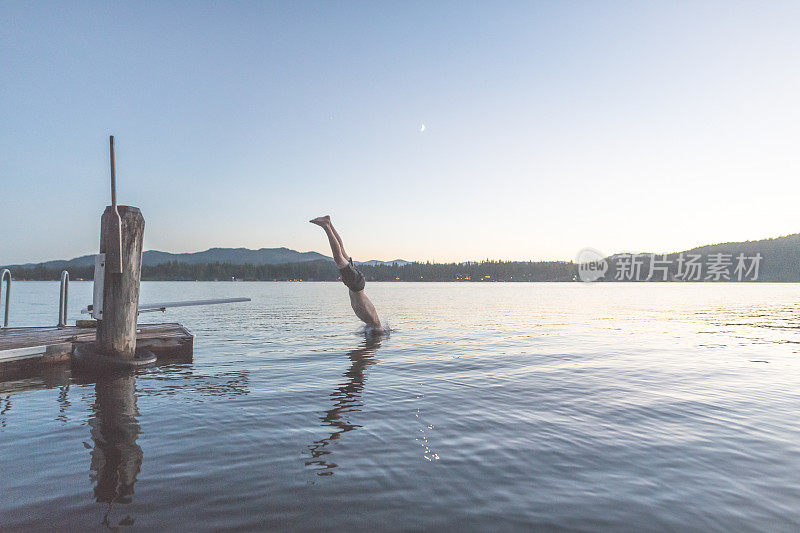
x: 346, y: 399
x: 63, y: 403
x: 116, y: 458
x: 5, y: 407
x: 169, y: 381
x: 501, y: 406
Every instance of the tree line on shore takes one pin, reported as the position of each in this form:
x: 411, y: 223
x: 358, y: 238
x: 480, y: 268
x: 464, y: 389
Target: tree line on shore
x: 770, y: 260
x: 483, y: 271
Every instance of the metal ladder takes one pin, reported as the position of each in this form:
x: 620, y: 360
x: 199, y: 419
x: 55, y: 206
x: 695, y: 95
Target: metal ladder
x: 62, y: 299
x: 5, y: 275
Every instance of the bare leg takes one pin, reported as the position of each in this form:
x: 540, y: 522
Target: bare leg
x: 338, y: 238
x: 337, y: 250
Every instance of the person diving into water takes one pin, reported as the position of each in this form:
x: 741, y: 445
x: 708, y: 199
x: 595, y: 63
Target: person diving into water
x: 362, y: 306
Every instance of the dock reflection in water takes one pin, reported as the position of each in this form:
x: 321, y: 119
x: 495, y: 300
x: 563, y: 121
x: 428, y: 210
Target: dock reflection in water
x: 346, y: 399
x: 116, y: 458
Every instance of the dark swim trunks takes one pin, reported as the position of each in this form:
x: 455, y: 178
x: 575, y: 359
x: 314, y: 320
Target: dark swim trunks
x: 352, y: 277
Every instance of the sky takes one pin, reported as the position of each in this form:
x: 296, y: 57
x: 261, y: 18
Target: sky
x: 548, y: 126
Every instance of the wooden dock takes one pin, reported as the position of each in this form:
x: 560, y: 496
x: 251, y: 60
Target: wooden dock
x: 22, y: 349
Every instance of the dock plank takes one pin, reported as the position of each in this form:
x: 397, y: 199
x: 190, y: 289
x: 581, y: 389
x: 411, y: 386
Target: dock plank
x: 12, y: 338
x: 26, y: 347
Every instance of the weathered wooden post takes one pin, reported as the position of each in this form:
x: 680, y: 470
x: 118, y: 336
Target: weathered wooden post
x: 121, y: 234
x: 116, y: 332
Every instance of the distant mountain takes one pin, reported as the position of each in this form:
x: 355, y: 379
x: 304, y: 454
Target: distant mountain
x: 374, y: 262
x: 84, y: 260
x: 235, y: 256
x: 786, y: 247
x: 779, y: 258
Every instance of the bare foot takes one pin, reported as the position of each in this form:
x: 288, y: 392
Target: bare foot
x: 321, y: 221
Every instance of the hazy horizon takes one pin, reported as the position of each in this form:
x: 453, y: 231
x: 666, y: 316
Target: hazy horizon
x: 548, y: 127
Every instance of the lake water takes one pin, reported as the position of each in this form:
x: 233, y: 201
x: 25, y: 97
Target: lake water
x: 490, y: 406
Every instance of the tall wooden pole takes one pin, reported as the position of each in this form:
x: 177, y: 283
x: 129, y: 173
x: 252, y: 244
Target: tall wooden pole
x: 116, y: 332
